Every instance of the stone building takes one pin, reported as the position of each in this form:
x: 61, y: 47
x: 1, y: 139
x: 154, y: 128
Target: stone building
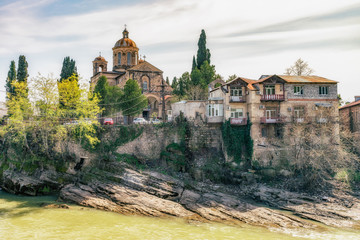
x: 272, y: 103
x: 350, y: 115
x: 127, y: 65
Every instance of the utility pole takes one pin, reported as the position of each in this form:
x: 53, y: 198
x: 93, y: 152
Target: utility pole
x: 163, y: 93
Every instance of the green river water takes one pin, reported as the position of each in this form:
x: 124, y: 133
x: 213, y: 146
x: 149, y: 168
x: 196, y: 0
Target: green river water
x: 23, y: 218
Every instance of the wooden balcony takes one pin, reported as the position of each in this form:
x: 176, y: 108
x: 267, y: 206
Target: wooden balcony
x: 237, y: 99
x: 272, y: 120
x: 238, y: 121
x: 273, y: 97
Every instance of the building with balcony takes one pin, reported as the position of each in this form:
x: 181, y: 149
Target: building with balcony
x: 274, y: 101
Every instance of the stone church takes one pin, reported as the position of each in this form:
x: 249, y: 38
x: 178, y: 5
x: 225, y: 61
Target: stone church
x: 127, y: 65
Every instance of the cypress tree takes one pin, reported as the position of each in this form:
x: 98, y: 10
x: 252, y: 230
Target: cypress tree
x: 174, y: 83
x: 167, y: 81
x: 22, y: 72
x: 10, y: 78
x: 203, y: 54
x: 101, y: 89
x: 68, y: 68
x: 193, y: 64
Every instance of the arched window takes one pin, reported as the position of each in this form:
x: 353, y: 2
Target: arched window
x: 128, y: 58
x: 119, y: 59
x: 145, y: 86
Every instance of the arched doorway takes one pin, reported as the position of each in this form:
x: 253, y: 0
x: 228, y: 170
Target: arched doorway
x: 152, y: 109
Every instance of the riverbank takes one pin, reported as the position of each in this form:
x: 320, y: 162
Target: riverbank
x: 119, y: 188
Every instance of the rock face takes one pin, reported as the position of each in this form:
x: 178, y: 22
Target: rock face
x: 338, y: 210
x: 154, y: 194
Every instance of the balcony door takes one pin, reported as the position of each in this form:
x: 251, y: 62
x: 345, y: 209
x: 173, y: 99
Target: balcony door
x: 269, y: 89
x: 271, y: 113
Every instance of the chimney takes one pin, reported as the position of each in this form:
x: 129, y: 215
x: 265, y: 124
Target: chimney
x: 357, y: 98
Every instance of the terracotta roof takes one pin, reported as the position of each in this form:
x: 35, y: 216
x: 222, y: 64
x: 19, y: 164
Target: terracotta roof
x: 351, y: 104
x: 247, y: 80
x: 145, y: 67
x: 302, y: 79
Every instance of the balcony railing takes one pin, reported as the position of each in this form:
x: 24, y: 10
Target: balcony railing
x: 238, y: 121
x: 272, y: 120
x: 273, y: 97
x: 234, y: 99
x: 215, y: 119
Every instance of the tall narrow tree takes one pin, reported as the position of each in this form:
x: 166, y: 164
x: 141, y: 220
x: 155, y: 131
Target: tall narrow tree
x: 10, y: 78
x: 68, y: 68
x: 193, y: 64
x: 167, y: 81
x: 22, y: 72
x: 203, y: 54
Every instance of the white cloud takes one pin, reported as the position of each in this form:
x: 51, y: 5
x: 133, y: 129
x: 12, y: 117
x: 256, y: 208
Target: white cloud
x: 167, y: 32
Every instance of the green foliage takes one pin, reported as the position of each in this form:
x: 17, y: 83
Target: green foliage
x: 238, y: 141
x: 68, y: 69
x: 108, y: 95
x: 131, y: 160
x: 207, y: 74
x: 194, y: 65
x: 182, y: 85
x: 175, y: 156
x: 203, y: 54
x: 22, y: 72
x: 231, y: 77
x: 112, y: 138
x: 45, y: 189
x: 10, y: 78
x: 217, y: 85
x: 167, y: 81
x: 196, y: 77
x: 133, y: 101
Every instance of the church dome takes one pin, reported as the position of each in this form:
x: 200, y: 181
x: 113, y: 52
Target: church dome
x: 125, y: 41
x: 100, y: 58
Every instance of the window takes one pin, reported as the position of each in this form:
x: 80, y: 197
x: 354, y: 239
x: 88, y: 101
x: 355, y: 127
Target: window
x: 236, y: 113
x: 264, y: 132
x: 323, y: 90
x: 128, y: 58
x: 145, y: 86
x: 215, y: 110
x: 119, y: 59
x: 299, y: 112
x: 270, y: 89
x: 236, y: 91
x: 271, y: 113
x: 298, y: 90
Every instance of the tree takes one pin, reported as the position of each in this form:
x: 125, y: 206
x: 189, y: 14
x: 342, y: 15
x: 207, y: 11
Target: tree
x: 10, y: 78
x: 132, y: 102
x: 341, y: 102
x: 207, y: 74
x: 182, y: 85
x: 101, y: 89
x: 196, y: 77
x: 69, y: 95
x: 22, y: 72
x: 300, y: 68
x: 44, y: 93
x: 174, y: 83
x: 68, y: 68
x: 167, y: 81
x: 193, y: 64
x: 231, y: 77
x: 19, y: 106
x: 203, y: 54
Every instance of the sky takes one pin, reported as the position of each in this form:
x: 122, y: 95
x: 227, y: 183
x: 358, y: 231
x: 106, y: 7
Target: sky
x: 248, y: 38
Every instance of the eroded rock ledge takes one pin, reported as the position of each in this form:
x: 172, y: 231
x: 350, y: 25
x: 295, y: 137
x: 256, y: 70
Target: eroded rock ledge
x: 123, y: 190
x: 154, y: 194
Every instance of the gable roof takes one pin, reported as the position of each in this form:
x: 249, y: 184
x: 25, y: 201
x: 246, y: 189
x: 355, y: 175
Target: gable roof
x: 300, y: 79
x: 351, y: 104
x: 145, y: 67
x: 246, y: 80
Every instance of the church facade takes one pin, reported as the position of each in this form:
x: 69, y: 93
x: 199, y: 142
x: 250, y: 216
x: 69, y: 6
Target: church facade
x: 127, y: 65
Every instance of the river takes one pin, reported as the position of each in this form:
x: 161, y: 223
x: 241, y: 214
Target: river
x: 23, y: 218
